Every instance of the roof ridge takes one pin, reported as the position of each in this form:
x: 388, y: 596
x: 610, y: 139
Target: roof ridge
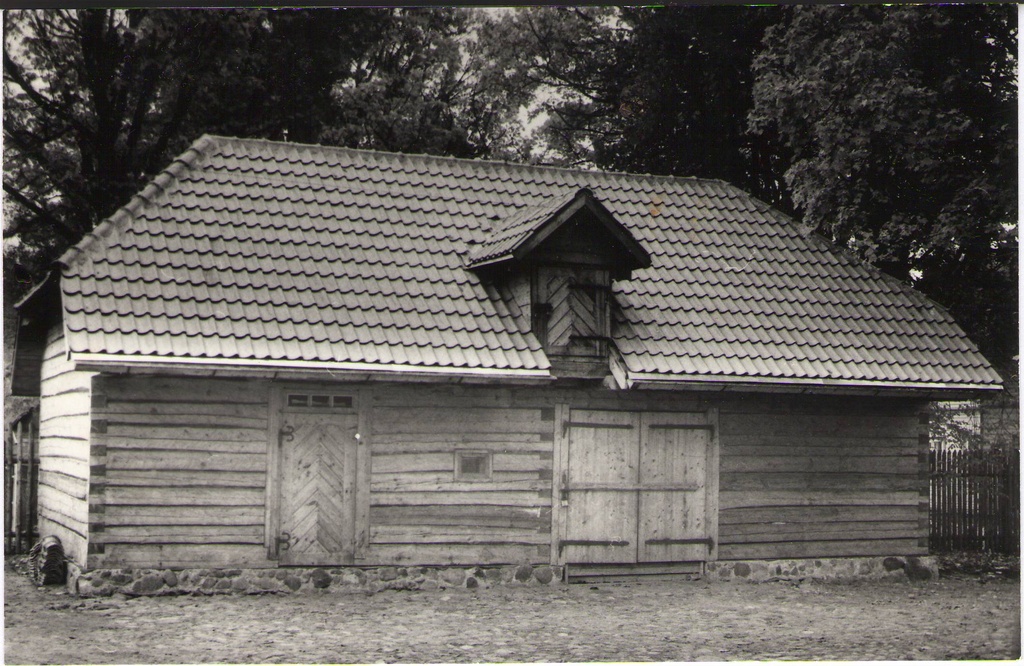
x: 470, y: 160
x: 182, y: 163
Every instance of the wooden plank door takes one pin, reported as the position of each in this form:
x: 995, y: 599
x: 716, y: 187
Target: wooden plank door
x: 600, y: 485
x: 318, y: 488
x: 674, y: 525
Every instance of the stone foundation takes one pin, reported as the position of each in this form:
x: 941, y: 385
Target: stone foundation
x: 834, y: 568
x: 164, y: 582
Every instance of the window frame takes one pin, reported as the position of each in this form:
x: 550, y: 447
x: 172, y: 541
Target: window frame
x: 462, y: 454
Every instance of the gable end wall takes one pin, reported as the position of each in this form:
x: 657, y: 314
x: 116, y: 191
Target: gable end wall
x: 64, y: 424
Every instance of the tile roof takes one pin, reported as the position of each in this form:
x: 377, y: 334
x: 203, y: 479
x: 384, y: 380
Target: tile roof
x: 507, y: 233
x: 250, y: 251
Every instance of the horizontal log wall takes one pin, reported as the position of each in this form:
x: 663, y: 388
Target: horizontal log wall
x: 179, y: 472
x: 421, y: 514
x: 822, y: 477
x: 181, y: 465
x: 63, y: 450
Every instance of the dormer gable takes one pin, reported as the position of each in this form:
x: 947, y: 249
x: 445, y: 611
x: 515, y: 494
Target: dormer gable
x: 574, y: 229
x: 553, y: 267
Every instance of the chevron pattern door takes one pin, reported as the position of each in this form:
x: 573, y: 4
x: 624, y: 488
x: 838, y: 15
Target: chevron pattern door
x: 318, y: 489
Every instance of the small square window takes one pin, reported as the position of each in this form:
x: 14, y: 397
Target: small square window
x: 472, y: 465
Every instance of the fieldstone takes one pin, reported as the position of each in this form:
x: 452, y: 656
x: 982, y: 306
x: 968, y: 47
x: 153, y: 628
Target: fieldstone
x: 120, y: 578
x: 472, y: 583
x: 208, y: 583
x: 403, y: 572
x: 893, y: 564
x: 493, y: 574
x: 917, y: 570
x: 105, y: 573
x: 90, y: 588
x: 170, y: 579
x: 148, y: 584
x: 292, y: 582
x: 216, y: 573
x: 272, y: 584
x: 223, y: 584
x: 742, y: 570
x: 543, y: 575
x: 389, y: 573
x: 453, y: 576
x: 320, y: 579
x: 240, y: 584
x: 233, y: 572
x: 428, y: 585
x: 524, y: 573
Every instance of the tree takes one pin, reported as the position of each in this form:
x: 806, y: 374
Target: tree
x: 901, y: 123
x: 663, y: 90
x: 425, y: 87
x: 688, y: 94
x: 98, y: 101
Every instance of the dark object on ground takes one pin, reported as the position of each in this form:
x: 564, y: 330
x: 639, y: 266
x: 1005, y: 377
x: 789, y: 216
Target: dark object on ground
x: 985, y: 565
x: 47, y: 565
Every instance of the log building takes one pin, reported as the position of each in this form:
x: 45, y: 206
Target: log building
x: 291, y: 355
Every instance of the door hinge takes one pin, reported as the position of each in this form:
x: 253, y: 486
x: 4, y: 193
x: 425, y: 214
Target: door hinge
x: 286, y: 434
x: 284, y: 541
x: 708, y: 541
x: 589, y: 542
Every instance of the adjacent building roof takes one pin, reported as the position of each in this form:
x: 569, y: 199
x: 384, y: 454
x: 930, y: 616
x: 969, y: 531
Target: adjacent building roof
x: 251, y: 252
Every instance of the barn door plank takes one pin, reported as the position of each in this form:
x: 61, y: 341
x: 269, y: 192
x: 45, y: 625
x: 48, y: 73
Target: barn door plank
x: 673, y: 472
x: 600, y: 520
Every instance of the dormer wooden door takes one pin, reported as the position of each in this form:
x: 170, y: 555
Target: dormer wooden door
x: 578, y: 313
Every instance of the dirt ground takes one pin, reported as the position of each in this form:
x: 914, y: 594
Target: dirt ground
x: 954, y: 618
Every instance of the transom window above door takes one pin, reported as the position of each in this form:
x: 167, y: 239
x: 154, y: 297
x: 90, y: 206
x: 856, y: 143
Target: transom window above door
x: 318, y: 401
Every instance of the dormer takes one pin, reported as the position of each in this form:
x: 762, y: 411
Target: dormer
x: 553, y: 267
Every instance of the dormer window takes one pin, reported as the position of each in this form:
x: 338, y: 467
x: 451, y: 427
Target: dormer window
x: 553, y: 266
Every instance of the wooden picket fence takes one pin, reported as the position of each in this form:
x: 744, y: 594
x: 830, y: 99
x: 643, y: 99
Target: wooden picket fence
x: 21, y: 472
x: 975, y: 501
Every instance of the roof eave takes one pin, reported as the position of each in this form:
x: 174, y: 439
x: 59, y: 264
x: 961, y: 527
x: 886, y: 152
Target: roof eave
x: 489, y: 263
x: 938, y: 390
x: 284, y: 369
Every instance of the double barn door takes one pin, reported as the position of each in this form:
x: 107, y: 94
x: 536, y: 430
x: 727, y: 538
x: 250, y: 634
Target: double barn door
x: 636, y: 488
